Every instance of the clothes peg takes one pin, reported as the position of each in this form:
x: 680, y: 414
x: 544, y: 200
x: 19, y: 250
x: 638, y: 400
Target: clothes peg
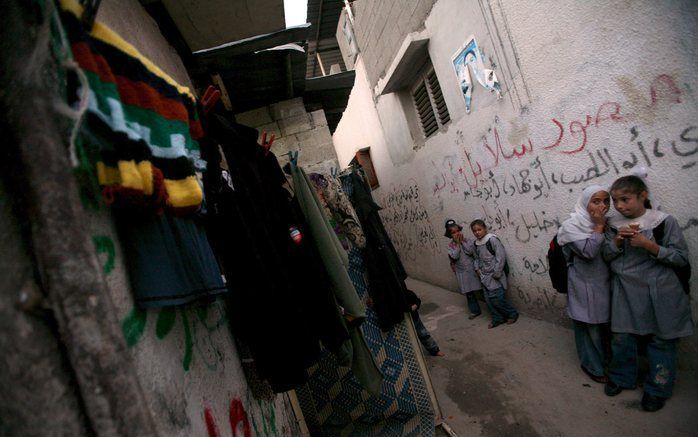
x: 266, y: 145
x: 293, y: 157
x: 209, y: 99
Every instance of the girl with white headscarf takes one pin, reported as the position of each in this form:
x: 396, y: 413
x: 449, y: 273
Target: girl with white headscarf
x: 588, y: 299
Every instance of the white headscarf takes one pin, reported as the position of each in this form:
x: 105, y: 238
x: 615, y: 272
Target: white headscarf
x: 485, y: 239
x: 579, y: 226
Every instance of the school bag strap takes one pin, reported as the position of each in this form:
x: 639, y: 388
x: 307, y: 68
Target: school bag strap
x: 491, y: 250
x: 558, y: 266
x: 683, y: 272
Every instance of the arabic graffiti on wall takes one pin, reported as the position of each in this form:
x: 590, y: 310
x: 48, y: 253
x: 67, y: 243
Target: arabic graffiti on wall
x: 520, y: 180
x: 407, y: 221
x: 473, y: 168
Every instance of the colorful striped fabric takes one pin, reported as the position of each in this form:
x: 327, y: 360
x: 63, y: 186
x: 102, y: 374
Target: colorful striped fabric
x: 144, y: 122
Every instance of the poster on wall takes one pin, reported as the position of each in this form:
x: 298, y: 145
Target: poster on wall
x: 469, y: 57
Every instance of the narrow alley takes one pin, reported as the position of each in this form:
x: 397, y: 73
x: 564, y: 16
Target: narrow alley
x: 524, y: 380
x: 348, y: 218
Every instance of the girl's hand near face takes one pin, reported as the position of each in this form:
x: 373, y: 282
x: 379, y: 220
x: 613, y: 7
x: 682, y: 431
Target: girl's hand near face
x: 598, y: 217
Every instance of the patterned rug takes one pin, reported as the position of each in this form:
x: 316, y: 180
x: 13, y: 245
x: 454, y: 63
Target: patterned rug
x: 333, y: 402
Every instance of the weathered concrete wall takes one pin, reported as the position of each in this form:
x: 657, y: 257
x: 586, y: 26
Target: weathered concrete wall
x: 38, y: 394
x: 185, y: 357
x: 295, y: 130
x: 130, y: 20
x: 590, y: 90
x: 380, y: 26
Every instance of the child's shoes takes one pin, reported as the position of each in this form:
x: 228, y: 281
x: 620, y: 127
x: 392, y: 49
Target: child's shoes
x: 652, y: 403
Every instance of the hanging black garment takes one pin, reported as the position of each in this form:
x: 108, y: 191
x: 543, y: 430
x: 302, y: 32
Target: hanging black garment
x: 386, y: 274
x: 279, y: 303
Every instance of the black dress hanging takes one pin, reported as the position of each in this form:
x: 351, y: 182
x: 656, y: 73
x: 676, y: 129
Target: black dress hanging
x: 386, y: 273
x: 280, y: 303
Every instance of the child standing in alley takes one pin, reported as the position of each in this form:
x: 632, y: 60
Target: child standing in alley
x: 490, y: 263
x: 460, y: 252
x: 649, y: 260
x: 589, y: 279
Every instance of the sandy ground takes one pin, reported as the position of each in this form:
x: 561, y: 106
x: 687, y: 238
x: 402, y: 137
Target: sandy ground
x: 524, y: 380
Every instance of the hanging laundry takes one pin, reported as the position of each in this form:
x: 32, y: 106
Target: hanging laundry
x: 169, y: 259
x: 333, y: 402
x: 143, y: 124
x: 339, y: 209
x: 280, y: 304
x: 336, y: 262
x: 140, y: 132
x: 386, y: 274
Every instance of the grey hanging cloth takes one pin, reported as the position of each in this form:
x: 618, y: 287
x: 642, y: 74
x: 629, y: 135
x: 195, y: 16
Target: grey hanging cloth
x: 336, y: 262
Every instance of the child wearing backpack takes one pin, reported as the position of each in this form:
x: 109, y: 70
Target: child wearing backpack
x: 460, y: 252
x: 491, y: 265
x: 649, y: 260
x: 588, y: 279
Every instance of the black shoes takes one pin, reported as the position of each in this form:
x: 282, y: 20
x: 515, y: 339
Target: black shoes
x: 611, y: 389
x: 652, y: 403
x: 472, y: 316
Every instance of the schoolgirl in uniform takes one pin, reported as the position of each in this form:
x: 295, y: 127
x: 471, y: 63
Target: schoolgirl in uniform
x: 648, y: 257
x: 491, y: 265
x: 589, y: 279
x: 460, y: 252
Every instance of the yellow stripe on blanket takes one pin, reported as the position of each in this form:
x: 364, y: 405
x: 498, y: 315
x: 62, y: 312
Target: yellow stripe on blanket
x: 130, y: 176
x: 107, y: 175
x: 145, y: 168
x: 184, y: 192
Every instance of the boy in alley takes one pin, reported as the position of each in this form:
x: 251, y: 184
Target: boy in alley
x: 491, y: 265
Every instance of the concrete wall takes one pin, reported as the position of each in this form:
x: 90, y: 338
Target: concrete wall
x: 296, y: 130
x: 186, y: 359
x: 590, y: 90
x: 380, y: 26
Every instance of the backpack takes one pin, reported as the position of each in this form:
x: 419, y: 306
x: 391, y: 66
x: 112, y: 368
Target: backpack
x: 558, y: 266
x: 492, y: 252
x: 683, y: 272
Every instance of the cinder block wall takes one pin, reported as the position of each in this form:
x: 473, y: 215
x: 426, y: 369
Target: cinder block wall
x: 381, y: 25
x: 295, y: 130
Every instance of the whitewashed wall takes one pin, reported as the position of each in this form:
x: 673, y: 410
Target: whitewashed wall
x: 590, y: 90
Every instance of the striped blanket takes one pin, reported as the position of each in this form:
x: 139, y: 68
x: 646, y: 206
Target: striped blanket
x: 144, y: 123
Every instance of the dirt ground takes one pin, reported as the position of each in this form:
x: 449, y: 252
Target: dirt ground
x: 524, y: 380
